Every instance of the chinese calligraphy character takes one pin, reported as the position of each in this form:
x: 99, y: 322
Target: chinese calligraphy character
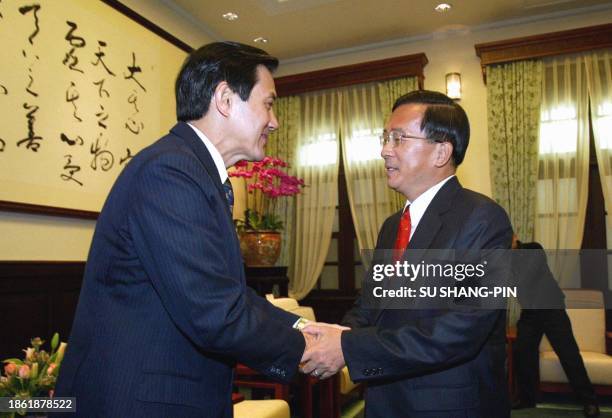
x: 127, y: 157
x: 133, y: 100
x: 133, y: 69
x: 100, y: 54
x: 32, y: 140
x: 3, y: 90
x: 72, y: 170
x: 104, y: 157
x: 77, y: 141
x: 102, y: 116
x: 101, y: 88
x: 76, y: 42
x: 133, y: 126
x: 28, y: 89
x: 3, y: 144
x: 34, y: 8
x: 72, y: 95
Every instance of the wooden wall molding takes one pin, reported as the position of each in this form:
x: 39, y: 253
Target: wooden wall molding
x: 544, y: 45
x: 346, y: 75
x: 38, y: 299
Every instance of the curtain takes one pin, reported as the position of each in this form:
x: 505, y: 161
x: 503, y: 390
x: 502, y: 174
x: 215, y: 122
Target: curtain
x: 599, y: 82
x: 514, y: 92
x: 370, y: 198
x: 563, y: 154
x: 563, y: 165
x: 317, y: 163
x: 282, y: 144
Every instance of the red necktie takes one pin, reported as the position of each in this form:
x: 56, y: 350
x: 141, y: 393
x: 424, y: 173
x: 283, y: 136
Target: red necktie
x: 403, y: 235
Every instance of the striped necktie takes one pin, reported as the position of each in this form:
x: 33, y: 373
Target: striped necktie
x: 229, y: 194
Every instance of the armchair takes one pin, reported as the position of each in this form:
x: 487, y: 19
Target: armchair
x: 586, y: 311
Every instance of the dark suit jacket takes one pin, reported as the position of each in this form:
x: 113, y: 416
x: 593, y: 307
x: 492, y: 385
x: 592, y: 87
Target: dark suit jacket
x: 164, y: 311
x: 433, y: 362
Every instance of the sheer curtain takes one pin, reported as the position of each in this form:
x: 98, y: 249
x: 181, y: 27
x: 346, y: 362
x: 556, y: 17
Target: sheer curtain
x: 317, y: 163
x: 563, y: 163
x: 370, y: 198
x: 563, y: 156
x: 599, y: 80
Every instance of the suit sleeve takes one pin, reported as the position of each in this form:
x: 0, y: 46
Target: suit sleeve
x: 435, y: 342
x: 176, y: 222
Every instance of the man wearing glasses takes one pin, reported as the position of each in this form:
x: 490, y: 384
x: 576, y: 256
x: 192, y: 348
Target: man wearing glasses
x: 435, y: 362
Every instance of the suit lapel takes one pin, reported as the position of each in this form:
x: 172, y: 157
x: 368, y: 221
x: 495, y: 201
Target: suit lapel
x: 188, y: 135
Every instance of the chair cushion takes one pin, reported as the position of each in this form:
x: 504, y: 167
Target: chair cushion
x: 589, y: 328
x: 598, y: 366
x: 304, y: 312
x: 287, y: 304
x: 346, y: 384
x: 274, y: 408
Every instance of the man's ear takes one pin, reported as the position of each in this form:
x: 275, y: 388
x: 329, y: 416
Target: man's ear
x: 444, y: 153
x: 222, y: 98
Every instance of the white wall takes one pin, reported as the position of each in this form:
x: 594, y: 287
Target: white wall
x: 37, y: 237
x: 455, y: 53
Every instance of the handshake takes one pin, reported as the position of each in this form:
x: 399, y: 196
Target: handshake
x: 323, y: 355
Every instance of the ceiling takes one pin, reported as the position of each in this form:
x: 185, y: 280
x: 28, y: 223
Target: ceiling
x: 297, y: 28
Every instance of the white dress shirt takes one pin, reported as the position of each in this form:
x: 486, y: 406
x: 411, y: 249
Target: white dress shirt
x: 216, y: 156
x: 420, y: 204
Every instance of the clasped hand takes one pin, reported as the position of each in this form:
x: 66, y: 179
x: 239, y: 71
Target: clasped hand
x: 323, y: 355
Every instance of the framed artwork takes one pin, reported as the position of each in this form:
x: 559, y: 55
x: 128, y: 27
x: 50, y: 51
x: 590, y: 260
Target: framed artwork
x: 83, y: 87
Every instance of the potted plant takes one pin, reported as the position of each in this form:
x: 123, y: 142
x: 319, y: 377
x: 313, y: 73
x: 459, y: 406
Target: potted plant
x: 259, y: 232
x: 35, y: 375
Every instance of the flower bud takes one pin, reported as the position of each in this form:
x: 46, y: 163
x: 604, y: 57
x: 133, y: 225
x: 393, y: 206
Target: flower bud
x: 29, y: 353
x: 60, y: 352
x: 10, y: 368
x: 51, y: 367
x: 34, y: 371
x: 24, y: 371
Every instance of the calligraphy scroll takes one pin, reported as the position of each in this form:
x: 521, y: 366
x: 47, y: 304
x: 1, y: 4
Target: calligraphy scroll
x: 83, y: 88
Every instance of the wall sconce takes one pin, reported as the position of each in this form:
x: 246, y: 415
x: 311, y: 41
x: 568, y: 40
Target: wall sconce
x: 453, y: 86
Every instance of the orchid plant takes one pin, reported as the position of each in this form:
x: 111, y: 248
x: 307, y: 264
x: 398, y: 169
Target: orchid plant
x: 268, y: 178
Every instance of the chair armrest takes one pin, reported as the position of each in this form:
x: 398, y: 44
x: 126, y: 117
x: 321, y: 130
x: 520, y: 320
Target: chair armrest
x: 242, y: 370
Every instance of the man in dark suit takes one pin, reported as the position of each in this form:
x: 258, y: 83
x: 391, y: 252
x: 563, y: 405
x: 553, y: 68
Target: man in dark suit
x: 543, y: 312
x: 426, y: 363
x: 164, y: 311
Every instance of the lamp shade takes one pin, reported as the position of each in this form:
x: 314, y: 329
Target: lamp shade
x: 453, y: 85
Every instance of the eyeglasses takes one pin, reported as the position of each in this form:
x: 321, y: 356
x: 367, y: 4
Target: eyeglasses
x: 396, y: 138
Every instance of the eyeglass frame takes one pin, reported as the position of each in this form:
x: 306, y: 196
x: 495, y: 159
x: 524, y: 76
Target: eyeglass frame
x: 399, y: 136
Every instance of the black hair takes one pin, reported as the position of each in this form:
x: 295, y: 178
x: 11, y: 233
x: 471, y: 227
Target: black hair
x: 211, y: 64
x: 443, y: 120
